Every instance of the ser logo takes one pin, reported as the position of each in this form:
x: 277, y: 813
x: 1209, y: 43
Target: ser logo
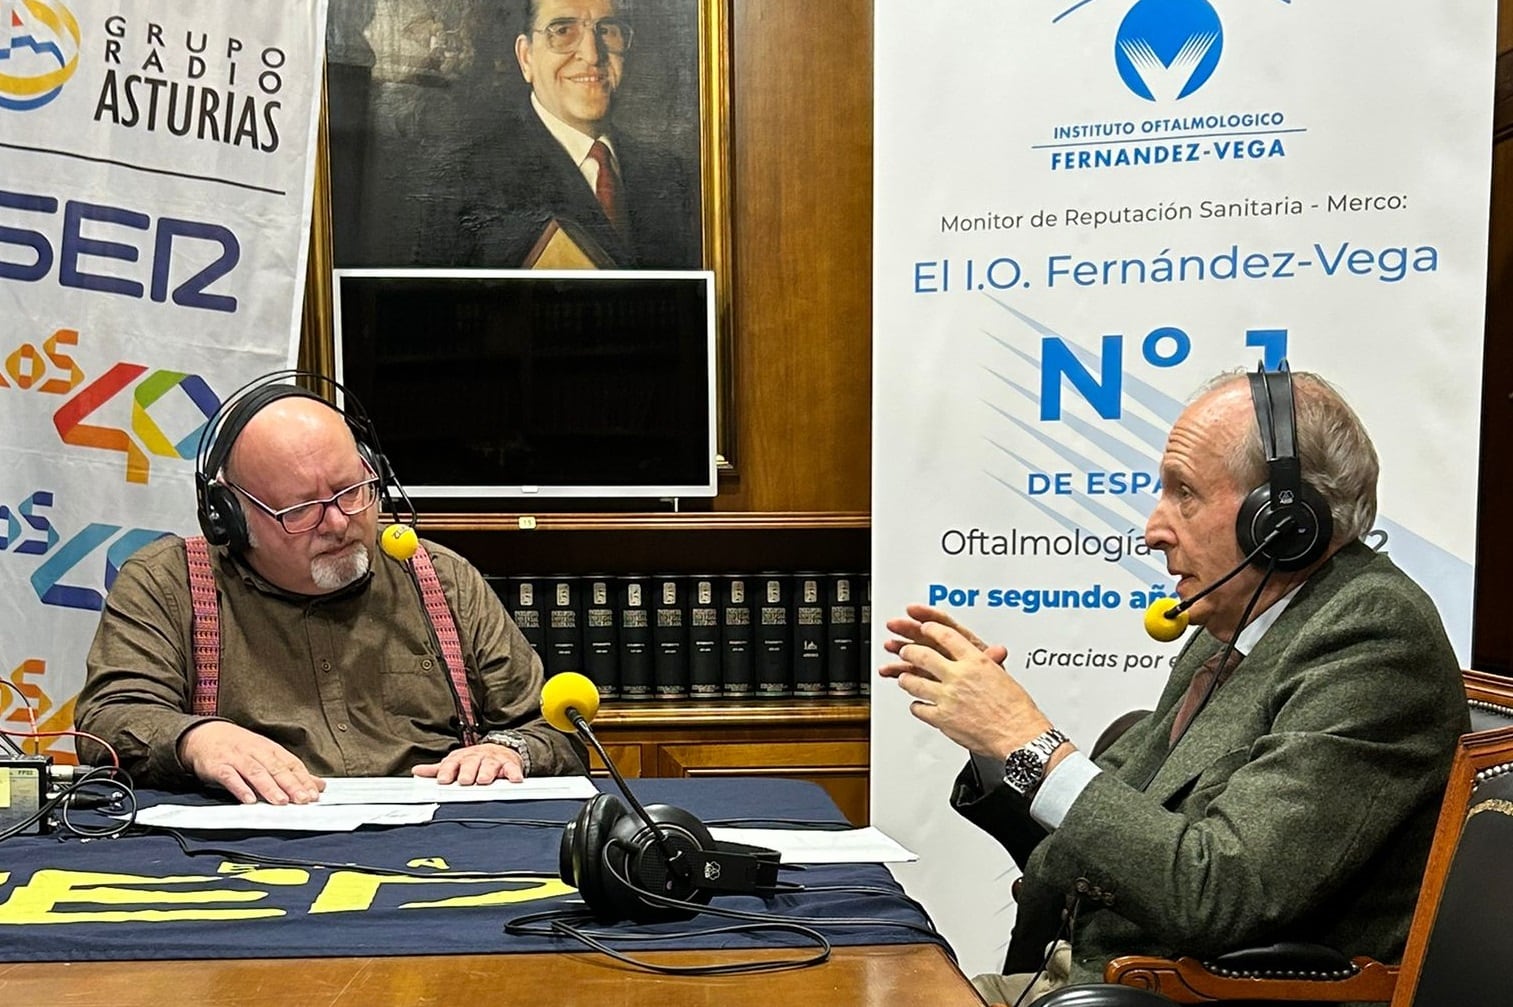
x: 39, y: 52
x: 1167, y: 49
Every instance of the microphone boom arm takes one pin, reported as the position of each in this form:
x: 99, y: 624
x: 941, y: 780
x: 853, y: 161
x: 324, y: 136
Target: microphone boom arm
x: 675, y: 860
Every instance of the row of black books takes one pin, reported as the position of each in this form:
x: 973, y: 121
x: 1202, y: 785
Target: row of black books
x: 700, y: 637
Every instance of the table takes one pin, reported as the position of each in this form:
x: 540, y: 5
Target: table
x: 898, y: 975
x: 413, y: 947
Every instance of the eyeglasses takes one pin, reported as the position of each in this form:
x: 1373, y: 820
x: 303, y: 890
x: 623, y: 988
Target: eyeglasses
x: 303, y: 517
x: 565, y: 34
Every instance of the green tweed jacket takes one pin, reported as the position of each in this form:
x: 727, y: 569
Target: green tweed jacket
x: 1299, y: 805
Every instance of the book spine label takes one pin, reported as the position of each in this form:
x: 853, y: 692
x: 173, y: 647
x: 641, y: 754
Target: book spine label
x: 670, y: 636
x: 601, y: 650
x: 808, y: 635
x: 737, y: 671
x: 635, y: 639
x: 704, y: 639
x: 523, y: 604
x: 842, y: 644
x: 774, y: 643
x: 564, y: 635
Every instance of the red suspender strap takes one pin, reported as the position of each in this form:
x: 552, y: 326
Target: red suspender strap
x: 206, y: 627
x: 440, y: 615
x: 207, y: 633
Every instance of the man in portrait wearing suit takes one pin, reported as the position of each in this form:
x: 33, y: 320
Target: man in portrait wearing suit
x: 1287, y: 784
x: 562, y: 164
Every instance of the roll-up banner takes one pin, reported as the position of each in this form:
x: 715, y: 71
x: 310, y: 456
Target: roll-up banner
x: 154, y: 217
x: 1083, y: 210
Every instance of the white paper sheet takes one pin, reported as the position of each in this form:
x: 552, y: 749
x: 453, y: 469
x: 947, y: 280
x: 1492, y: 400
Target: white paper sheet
x: 818, y: 846
x: 416, y: 790
x: 284, y: 818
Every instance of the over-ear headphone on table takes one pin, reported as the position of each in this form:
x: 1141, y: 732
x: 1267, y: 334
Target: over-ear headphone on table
x: 613, y: 854
x: 221, y: 517
x: 1284, y: 508
x: 607, y: 853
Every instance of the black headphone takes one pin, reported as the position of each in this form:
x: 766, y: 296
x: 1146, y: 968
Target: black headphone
x: 1284, y: 505
x: 607, y: 853
x: 222, y: 519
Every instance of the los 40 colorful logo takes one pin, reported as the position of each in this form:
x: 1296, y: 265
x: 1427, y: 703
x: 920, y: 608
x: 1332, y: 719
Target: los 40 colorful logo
x: 51, y: 371
x: 30, y: 703
x: 26, y: 529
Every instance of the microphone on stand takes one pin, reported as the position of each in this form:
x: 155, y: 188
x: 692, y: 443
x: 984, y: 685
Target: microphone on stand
x: 564, y: 697
x: 612, y: 857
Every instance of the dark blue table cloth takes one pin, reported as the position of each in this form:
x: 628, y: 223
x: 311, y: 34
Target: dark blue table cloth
x: 239, y: 895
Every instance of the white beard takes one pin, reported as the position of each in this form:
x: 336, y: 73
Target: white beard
x: 332, y: 573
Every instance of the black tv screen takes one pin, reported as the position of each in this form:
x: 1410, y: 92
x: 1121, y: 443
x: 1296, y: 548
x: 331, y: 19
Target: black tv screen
x: 521, y: 383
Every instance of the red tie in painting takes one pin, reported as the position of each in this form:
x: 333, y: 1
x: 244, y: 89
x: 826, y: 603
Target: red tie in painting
x: 607, y: 187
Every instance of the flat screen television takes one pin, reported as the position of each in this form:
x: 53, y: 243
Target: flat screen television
x: 525, y: 383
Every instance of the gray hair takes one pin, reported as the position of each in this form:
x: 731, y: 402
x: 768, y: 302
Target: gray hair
x: 1334, y: 451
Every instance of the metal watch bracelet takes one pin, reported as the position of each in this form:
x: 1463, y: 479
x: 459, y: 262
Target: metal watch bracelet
x: 513, y: 740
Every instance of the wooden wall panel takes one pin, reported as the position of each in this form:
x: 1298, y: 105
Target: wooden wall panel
x: 838, y: 766
x: 1492, y: 633
x: 801, y: 136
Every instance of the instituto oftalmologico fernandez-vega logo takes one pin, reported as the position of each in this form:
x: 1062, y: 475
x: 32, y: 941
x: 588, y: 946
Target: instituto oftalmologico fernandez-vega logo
x: 1167, y: 49
x: 39, y: 52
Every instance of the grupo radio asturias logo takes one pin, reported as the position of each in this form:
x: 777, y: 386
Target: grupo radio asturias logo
x: 39, y: 52
x: 156, y: 74
x: 1164, y: 53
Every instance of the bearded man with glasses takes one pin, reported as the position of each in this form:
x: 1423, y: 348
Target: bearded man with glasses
x: 327, y: 660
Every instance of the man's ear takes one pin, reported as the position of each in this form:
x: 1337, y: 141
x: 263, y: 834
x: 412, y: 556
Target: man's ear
x: 523, y: 56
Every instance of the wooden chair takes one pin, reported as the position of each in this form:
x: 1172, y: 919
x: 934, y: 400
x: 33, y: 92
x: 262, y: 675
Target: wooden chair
x: 1461, y: 930
x: 1490, y: 698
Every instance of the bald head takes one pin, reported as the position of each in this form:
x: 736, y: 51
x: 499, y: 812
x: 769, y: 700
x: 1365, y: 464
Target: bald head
x: 295, y: 450
x: 292, y: 432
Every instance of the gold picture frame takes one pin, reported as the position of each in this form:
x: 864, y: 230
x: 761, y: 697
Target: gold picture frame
x: 317, y: 345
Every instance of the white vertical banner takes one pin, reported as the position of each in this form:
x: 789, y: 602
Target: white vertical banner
x: 1085, y: 208
x: 154, y: 218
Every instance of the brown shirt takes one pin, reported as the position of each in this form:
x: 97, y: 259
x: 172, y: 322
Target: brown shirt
x: 352, y: 682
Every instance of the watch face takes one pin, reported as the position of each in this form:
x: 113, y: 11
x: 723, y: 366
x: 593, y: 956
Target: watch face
x: 1023, y: 770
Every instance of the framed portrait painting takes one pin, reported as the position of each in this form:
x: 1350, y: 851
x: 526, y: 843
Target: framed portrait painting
x: 508, y: 134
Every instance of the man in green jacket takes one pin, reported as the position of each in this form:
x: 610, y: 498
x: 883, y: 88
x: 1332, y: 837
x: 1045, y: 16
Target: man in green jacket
x: 1287, y: 784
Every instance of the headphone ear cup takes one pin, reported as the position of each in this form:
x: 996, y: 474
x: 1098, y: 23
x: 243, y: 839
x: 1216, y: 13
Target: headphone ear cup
x: 1301, y: 547
x: 638, y: 857
x: 580, y: 859
x: 221, y: 517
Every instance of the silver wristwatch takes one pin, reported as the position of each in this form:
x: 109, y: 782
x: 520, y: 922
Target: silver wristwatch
x: 512, y: 740
x: 1024, y: 769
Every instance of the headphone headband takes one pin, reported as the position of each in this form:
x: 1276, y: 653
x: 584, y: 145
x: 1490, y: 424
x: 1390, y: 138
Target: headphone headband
x: 1276, y: 416
x: 220, y: 512
x: 1284, y: 509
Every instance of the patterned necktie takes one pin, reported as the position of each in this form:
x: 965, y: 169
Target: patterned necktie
x: 1208, y: 677
x: 606, y: 186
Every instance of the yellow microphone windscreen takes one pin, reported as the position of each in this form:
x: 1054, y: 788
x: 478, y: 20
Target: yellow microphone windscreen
x: 399, y: 541
x: 1162, y: 627
x: 568, y: 689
